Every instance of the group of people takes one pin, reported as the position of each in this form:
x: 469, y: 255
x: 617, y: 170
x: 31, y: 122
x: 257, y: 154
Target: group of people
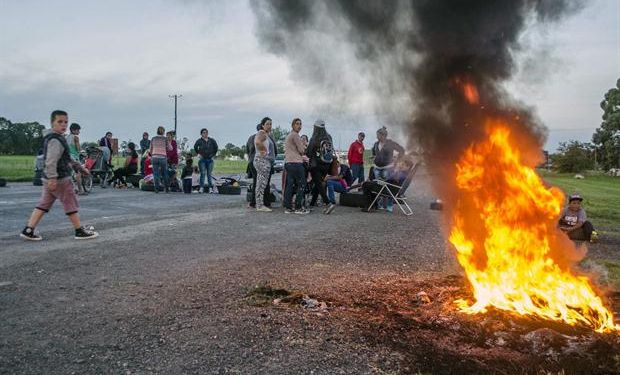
x: 310, y: 165
x: 159, y: 158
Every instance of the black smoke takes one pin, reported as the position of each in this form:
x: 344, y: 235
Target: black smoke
x: 414, y: 55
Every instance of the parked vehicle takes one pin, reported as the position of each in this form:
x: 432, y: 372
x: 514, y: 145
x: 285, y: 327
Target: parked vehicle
x: 278, y: 165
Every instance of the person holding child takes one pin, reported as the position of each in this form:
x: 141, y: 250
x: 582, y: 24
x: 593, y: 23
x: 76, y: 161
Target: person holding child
x: 57, y: 182
x: 159, y: 159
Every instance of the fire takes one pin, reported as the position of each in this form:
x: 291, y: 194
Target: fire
x: 471, y: 93
x: 506, y: 237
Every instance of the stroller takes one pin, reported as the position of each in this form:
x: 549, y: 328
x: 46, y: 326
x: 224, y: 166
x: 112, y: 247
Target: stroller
x: 97, y: 163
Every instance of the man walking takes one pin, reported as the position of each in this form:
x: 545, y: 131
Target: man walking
x: 356, y: 158
x: 294, y: 157
x: 207, y: 148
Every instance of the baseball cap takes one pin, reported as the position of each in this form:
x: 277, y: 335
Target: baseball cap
x: 319, y: 123
x: 574, y: 197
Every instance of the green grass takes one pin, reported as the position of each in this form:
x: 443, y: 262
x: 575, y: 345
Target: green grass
x: 20, y: 168
x: 601, y: 197
x: 17, y: 167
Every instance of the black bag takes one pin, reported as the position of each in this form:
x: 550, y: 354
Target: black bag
x: 326, y: 151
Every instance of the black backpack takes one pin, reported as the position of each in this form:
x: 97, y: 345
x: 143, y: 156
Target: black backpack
x: 326, y: 151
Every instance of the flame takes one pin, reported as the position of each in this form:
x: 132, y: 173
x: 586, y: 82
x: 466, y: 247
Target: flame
x: 506, y: 237
x: 471, y: 93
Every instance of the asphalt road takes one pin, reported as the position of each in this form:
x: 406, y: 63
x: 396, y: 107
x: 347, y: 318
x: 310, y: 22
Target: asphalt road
x: 167, y: 287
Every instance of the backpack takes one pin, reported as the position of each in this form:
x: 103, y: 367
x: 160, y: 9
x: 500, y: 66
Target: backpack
x: 326, y: 151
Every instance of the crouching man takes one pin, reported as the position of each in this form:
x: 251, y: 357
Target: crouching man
x: 57, y: 182
x: 573, y: 221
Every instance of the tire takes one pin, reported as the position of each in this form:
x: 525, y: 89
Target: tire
x: 87, y: 183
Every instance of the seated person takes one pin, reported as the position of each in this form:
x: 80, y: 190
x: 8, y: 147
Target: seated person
x: 195, y: 179
x: 396, y: 176
x: 573, y: 220
x: 130, y: 167
x: 335, y: 181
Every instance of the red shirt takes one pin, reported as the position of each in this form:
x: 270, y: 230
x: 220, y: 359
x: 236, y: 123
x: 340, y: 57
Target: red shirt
x: 173, y: 154
x: 356, y: 153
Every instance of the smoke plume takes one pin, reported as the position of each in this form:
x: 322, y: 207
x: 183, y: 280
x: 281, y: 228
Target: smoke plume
x: 415, y: 56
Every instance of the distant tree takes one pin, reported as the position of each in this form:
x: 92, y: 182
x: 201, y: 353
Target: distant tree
x: 573, y: 157
x: 231, y: 150
x: 89, y: 144
x: 123, y: 148
x: 279, y: 135
x: 20, y: 138
x: 184, y: 146
x: 607, y: 137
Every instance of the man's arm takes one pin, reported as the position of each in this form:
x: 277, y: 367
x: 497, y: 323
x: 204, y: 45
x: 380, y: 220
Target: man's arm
x: 398, y: 148
x: 197, y: 146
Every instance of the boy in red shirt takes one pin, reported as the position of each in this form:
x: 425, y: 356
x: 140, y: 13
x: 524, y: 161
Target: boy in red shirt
x: 356, y: 158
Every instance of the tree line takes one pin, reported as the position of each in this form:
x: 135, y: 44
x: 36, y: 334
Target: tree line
x: 603, y: 152
x: 20, y: 138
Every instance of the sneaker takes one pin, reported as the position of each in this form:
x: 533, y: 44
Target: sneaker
x: 302, y: 211
x: 329, y: 209
x: 201, y: 190
x: 83, y: 234
x: 390, y: 208
x: 29, y: 234
x: 288, y: 211
x: 594, y: 237
x: 263, y: 209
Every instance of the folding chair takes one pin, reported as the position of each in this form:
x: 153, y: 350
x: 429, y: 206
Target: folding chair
x: 399, y: 196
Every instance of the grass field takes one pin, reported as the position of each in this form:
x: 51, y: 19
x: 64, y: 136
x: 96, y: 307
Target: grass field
x: 20, y: 168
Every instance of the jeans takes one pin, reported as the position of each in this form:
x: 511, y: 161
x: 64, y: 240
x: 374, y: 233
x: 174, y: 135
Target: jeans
x: 357, y: 170
x: 205, y: 164
x: 334, y: 186
x: 380, y: 173
x: 187, y: 185
x: 295, y: 184
x: 160, y: 171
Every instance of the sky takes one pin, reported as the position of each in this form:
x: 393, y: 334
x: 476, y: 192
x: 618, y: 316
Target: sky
x: 112, y: 65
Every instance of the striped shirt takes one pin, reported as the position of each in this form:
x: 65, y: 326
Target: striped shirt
x: 159, y: 145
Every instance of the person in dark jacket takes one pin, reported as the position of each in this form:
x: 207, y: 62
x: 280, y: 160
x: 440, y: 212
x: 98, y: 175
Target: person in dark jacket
x: 250, y: 149
x: 383, y: 153
x: 318, y: 167
x: 106, y: 141
x: 207, y: 148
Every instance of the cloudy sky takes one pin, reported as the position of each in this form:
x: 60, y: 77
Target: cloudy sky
x: 112, y: 64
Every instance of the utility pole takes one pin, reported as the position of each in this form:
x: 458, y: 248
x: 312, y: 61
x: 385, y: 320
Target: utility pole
x: 175, y: 97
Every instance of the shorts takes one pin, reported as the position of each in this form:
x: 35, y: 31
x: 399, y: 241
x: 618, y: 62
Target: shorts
x: 64, y: 193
